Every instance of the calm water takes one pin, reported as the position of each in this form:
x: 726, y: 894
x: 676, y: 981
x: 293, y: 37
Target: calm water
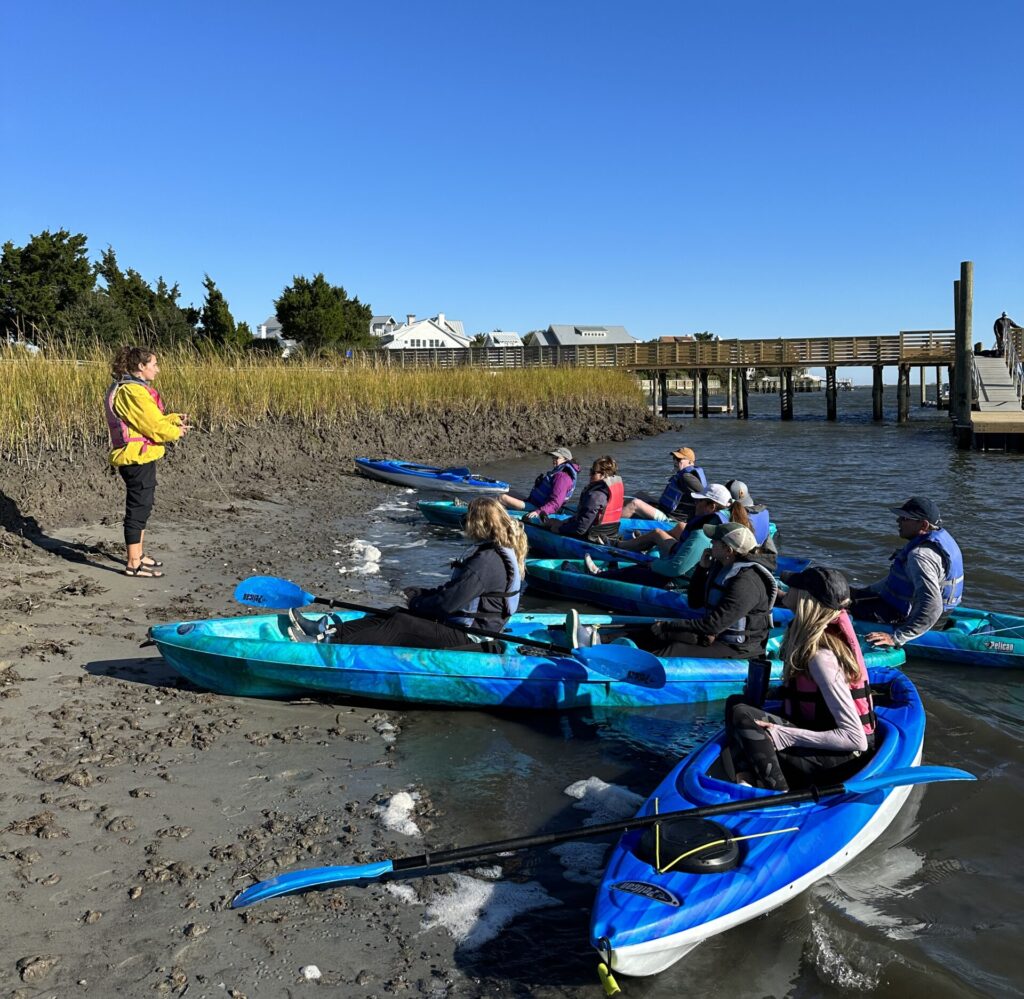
x: 932, y: 908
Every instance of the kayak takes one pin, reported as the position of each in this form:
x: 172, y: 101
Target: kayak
x: 447, y: 513
x: 968, y: 638
x: 252, y: 656
x: 569, y: 580
x: 647, y: 916
x: 448, y: 480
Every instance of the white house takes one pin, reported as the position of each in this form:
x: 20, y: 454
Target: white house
x: 560, y: 335
x: 502, y: 338
x: 383, y: 325
x: 417, y: 334
x: 270, y: 329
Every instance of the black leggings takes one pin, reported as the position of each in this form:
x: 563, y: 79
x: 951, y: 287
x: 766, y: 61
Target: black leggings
x: 405, y: 631
x: 641, y: 575
x: 140, y: 481
x: 687, y: 645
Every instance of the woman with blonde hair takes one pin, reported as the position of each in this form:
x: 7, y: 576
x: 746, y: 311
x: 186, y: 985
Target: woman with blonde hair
x: 483, y: 592
x: 139, y: 429
x: 828, y: 720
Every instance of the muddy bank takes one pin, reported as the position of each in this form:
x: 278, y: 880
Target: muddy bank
x: 274, y: 461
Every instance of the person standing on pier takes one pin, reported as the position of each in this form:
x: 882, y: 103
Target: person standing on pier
x: 676, y: 500
x: 551, y: 490
x: 925, y: 581
x: 1001, y: 327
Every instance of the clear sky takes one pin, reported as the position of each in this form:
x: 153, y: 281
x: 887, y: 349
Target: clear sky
x: 747, y: 168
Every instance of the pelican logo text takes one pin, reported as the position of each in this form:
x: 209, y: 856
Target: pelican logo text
x: 654, y: 892
x: 253, y: 598
x: 643, y: 679
x: 1000, y: 646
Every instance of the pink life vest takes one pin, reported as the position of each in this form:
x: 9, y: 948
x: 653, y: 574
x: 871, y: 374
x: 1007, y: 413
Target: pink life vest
x: 119, y: 430
x: 803, y: 702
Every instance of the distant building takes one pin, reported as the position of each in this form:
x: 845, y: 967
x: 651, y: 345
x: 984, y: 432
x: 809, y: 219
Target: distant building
x: 501, y: 338
x: 383, y: 325
x: 684, y: 338
x: 270, y: 329
x: 577, y: 336
x: 424, y: 334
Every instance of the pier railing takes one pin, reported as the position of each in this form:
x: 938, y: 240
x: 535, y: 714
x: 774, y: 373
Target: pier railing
x: 912, y: 347
x: 1013, y: 349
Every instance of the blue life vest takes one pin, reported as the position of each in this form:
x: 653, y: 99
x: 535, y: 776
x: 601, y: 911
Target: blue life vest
x: 760, y: 524
x: 545, y: 484
x: 678, y: 489
x: 744, y: 631
x: 697, y: 524
x: 898, y: 590
x: 471, y: 616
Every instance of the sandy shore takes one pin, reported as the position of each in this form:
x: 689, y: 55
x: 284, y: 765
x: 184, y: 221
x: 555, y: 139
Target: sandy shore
x: 135, y: 807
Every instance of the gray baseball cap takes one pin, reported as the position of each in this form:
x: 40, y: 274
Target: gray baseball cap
x: 561, y: 452
x: 739, y: 538
x: 740, y: 492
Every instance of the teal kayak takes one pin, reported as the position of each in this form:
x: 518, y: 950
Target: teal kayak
x: 448, y: 513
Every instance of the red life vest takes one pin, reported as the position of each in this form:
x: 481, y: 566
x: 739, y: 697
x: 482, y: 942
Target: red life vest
x: 120, y: 433
x: 612, y: 513
x: 803, y: 702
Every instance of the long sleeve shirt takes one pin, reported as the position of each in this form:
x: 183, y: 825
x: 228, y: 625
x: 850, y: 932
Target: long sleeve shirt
x: 561, y: 487
x: 484, y: 572
x: 135, y: 407
x: 927, y: 574
x: 848, y: 735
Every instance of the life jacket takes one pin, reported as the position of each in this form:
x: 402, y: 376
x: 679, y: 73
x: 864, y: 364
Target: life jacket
x: 751, y: 629
x: 473, y: 615
x: 677, y: 491
x: 544, y: 486
x: 760, y: 523
x: 697, y: 524
x: 898, y: 590
x: 607, y: 526
x: 120, y: 433
x: 803, y: 702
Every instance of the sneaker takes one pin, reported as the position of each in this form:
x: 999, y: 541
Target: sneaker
x: 591, y: 566
x: 318, y: 630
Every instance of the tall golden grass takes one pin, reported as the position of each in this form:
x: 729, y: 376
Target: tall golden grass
x: 52, y: 402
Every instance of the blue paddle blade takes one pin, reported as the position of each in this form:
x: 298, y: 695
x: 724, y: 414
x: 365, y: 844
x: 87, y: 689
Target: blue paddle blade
x: 787, y: 563
x: 622, y: 662
x: 270, y: 591
x: 313, y: 877
x: 904, y: 776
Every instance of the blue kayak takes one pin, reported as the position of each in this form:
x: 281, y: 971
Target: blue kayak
x: 968, y: 638
x: 654, y: 906
x: 447, y: 513
x: 448, y: 480
x: 569, y: 580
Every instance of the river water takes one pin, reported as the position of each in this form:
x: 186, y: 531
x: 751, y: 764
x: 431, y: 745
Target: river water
x: 934, y: 907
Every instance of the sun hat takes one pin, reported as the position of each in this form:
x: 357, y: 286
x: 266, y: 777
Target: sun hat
x: 739, y: 538
x: 828, y: 586
x: 716, y: 493
x: 561, y: 452
x: 919, y: 508
x: 685, y: 454
x: 740, y: 492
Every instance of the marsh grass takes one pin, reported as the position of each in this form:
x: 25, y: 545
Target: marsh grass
x: 52, y: 402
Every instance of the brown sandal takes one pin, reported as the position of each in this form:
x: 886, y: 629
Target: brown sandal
x: 143, y: 571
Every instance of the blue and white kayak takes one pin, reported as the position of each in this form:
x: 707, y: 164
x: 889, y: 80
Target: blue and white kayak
x: 568, y: 579
x: 447, y: 513
x: 967, y: 638
x: 649, y: 912
x: 447, y: 480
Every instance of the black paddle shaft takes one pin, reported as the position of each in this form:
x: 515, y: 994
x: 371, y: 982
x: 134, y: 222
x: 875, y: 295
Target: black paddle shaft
x: 623, y: 825
x: 498, y: 635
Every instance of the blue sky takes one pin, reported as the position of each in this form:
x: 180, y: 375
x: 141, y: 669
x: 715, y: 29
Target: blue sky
x: 751, y: 169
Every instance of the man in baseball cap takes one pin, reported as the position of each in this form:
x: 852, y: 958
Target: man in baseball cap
x: 551, y: 489
x: 925, y: 580
x: 674, y: 501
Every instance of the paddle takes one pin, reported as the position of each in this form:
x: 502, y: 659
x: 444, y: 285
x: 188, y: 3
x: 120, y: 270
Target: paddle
x: 321, y: 877
x: 620, y: 662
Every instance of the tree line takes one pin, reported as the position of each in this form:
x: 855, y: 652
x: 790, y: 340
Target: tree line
x: 49, y: 289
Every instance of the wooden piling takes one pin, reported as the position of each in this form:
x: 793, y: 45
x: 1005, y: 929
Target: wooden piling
x: 703, y: 376
x: 663, y: 388
x: 923, y: 393
x: 961, y: 404
x: 743, y: 396
x: 787, y: 410
x: 903, y: 394
x: 696, y: 395
x: 876, y: 393
x: 728, y: 390
x: 830, y: 394
x: 938, y: 386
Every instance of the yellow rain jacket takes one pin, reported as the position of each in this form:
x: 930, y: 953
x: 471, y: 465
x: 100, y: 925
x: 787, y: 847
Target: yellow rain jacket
x: 134, y: 406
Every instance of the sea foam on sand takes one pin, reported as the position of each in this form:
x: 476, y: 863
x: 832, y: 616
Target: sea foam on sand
x: 396, y: 813
x: 605, y: 802
x: 583, y: 863
x: 367, y: 557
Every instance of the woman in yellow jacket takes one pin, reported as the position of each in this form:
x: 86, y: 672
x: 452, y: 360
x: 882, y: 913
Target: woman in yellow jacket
x: 139, y: 428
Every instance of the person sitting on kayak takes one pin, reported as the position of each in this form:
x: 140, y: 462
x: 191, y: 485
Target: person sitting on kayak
x: 828, y: 718
x: 925, y: 581
x: 600, y: 507
x: 551, y: 490
x: 675, y: 501
x: 758, y: 520
x: 735, y: 592
x: 680, y: 549
x: 483, y: 592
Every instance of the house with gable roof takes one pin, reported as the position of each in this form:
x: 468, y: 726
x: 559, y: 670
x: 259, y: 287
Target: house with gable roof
x: 418, y: 334
x: 562, y: 335
x: 383, y: 325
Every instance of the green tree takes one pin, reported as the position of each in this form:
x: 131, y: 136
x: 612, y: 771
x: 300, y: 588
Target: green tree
x: 319, y: 314
x: 43, y: 279
x: 216, y: 322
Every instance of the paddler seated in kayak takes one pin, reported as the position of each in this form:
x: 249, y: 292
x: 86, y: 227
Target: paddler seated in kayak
x: 483, y: 592
x: 675, y: 501
x: 827, y: 720
x: 680, y: 549
x: 600, y: 507
x: 551, y: 490
x: 925, y: 581
x: 734, y: 590
x: 758, y: 520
